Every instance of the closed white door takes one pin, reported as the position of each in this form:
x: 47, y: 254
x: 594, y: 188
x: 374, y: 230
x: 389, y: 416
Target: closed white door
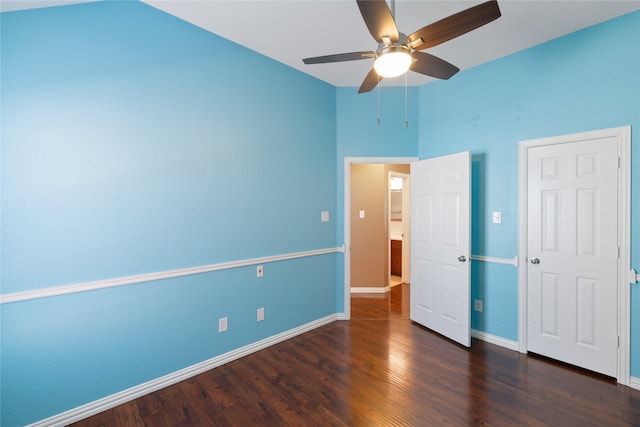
x: 440, y: 236
x: 573, y: 252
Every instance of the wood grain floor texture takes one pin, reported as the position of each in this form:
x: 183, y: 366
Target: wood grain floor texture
x: 380, y: 369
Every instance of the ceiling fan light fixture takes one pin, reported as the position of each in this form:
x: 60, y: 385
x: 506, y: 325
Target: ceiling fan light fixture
x: 398, y: 53
x: 393, y: 61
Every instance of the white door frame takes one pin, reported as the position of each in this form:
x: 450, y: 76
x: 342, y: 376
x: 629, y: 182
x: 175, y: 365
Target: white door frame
x: 623, y: 135
x: 348, y: 161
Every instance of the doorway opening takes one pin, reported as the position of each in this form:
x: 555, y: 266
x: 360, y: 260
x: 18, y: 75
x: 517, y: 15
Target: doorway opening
x: 371, y: 276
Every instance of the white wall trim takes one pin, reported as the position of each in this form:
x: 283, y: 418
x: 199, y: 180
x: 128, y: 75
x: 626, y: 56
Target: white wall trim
x: 513, y: 261
x: 135, y: 392
x: 141, y: 278
x: 370, y: 290
x: 494, y: 339
x: 623, y: 137
x: 634, y: 383
x: 348, y: 161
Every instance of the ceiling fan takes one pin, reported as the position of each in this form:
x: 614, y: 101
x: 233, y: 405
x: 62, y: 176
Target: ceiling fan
x: 397, y: 53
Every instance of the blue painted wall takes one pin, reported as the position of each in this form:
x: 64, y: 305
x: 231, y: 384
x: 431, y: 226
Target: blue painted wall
x: 133, y: 142
x: 584, y: 81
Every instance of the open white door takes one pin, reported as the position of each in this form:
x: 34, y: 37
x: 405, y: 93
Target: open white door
x: 440, y: 245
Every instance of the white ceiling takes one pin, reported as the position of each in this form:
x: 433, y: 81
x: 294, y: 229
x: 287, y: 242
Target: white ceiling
x: 289, y: 30
x: 11, y: 5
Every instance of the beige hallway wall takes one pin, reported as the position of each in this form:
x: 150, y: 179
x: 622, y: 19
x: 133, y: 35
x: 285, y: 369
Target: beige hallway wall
x: 369, y: 235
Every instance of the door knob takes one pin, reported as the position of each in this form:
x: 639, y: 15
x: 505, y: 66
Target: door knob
x: 535, y: 261
x: 462, y: 258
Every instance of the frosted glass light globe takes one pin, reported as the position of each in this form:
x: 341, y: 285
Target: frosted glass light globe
x: 393, y: 63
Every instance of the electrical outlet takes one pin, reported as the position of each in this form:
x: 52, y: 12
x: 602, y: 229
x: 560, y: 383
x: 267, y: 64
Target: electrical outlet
x: 223, y: 324
x: 260, y: 271
x: 260, y: 315
x: 324, y: 216
x: 477, y: 304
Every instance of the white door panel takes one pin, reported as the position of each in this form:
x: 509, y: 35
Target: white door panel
x: 573, y: 253
x: 440, y: 235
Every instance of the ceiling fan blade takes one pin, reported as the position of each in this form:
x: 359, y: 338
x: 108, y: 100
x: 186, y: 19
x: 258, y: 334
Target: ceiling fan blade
x: 432, y: 66
x: 351, y: 56
x: 379, y: 20
x: 370, y: 81
x: 455, y: 25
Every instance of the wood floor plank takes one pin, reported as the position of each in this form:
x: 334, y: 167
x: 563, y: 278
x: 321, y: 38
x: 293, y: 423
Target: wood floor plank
x: 381, y: 369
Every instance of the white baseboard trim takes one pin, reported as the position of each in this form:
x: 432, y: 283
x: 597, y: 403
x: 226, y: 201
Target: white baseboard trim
x: 634, y: 383
x: 494, y: 339
x: 141, y: 278
x: 132, y: 393
x: 369, y: 290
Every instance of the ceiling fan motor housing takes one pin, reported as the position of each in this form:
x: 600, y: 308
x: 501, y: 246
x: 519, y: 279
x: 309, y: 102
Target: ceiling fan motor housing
x: 384, y: 50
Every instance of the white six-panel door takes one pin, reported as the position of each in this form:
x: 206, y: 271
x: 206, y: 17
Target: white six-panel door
x: 573, y: 253
x: 440, y: 245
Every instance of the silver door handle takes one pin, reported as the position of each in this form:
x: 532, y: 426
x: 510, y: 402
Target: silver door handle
x: 462, y: 258
x: 535, y: 261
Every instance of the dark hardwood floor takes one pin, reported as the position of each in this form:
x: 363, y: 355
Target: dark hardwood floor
x: 380, y: 369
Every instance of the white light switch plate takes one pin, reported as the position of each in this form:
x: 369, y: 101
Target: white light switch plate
x: 324, y: 216
x: 361, y: 214
x: 223, y: 324
x: 497, y: 218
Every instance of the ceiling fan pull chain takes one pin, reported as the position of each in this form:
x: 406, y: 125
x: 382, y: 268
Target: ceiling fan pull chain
x: 378, y: 91
x: 406, y: 120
